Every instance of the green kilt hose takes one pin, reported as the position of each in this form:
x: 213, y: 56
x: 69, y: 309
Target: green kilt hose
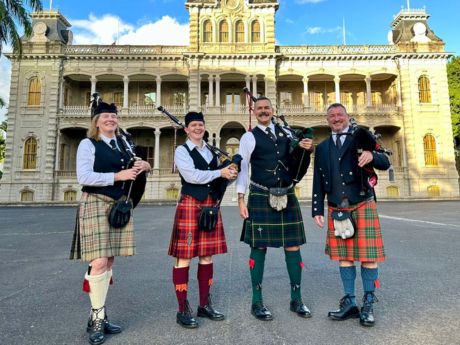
x: 367, y: 243
x: 94, y: 237
x: 267, y: 227
x: 187, y: 241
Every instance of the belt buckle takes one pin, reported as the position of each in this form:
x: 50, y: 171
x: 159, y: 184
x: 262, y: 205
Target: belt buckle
x: 345, y: 203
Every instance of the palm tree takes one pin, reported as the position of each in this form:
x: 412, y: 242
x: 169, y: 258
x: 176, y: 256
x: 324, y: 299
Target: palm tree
x: 12, y: 12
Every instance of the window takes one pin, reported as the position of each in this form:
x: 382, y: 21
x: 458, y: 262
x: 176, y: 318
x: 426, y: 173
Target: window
x: 118, y: 99
x: 433, y: 191
x: 346, y: 98
x: 207, y: 31
x: 285, y: 97
x: 35, y: 92
x: 239, y: 32
x: 232, y: 102
x: 223, y: 31
x: 179, y: 98
x: 27, y: 195
x: 317, y: 101
x: 150, y: 98
x: 424, y: 89
x: 376, y: 98
x: 70, y: 195
x: 30, y: 154
x: 255, y: 32
x: 429, y: 147
x: 392, y: 192
x: 172, y: 193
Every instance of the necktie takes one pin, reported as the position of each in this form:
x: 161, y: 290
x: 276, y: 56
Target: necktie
x: 113, y: 144
x: 338, y: 141
x: 270, y: 134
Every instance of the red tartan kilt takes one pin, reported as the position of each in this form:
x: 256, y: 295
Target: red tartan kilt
x: 187, y: 241
x: 367, y: 243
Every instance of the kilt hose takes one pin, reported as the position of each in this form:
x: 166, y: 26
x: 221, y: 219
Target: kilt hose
x: 367, y: 243
x: 187, y: 241
x: 267, y: 227
x: 93, y: 236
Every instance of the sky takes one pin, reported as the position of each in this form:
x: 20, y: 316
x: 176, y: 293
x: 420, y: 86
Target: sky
x: 298, y: 22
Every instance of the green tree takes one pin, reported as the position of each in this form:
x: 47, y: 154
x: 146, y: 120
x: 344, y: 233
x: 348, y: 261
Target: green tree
x: 453, y: 75
x: 14, y: 14
x: 3, y: 127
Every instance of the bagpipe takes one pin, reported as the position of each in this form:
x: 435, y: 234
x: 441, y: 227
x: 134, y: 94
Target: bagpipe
x: 135, y: 189
x: 299, y: 159
x: 225, y: 159
x: 365, y: 140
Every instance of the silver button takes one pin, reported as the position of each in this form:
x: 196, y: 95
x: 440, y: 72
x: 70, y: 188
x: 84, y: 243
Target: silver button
x: 326, y: 182
x: 279, y: 179
x: 343, y: 183
x: 122, y: 166
x: 315, y: 209
x: 314, y: 195
x: 351, y: 173
x: 340, y: 158
x: 320, y: 169
x: 209, y: 185
x: 343, y: 192
x: 314, y: 202
x: 277, y: 152
x: 122, y: 160
x: 341, y: 175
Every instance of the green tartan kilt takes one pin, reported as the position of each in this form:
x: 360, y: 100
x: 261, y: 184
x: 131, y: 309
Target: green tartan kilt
x: 267, y: 227
x: 93, y: 236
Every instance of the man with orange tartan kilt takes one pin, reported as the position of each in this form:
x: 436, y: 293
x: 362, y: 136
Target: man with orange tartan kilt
x: 201, y: 178
x: 337, y: 175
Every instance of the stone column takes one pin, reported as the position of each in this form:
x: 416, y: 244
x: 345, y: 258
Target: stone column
x: 156, y: 159
x: 368, y: 91
x: 398, y: 90
x: 247, y: 79
x: 61, y: 94
x: 217, y: 141
x: 217, y: 90
x: 254, y: 85
x: 199, y: 92
x: 93, y: 85
x: 337, y: 89
x: 125, y: 92
x: 306, y: 101
x: 210, y: 91
x: 158, y: 100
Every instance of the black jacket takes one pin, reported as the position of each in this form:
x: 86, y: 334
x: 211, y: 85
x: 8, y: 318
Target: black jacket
x: 349, y: 173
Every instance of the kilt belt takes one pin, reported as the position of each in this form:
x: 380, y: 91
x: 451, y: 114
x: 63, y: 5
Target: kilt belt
x: 267, y: 227
x: 367, y: 243
x: 94, y: 237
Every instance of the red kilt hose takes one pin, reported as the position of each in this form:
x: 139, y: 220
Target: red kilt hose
x: 187, y: 241
x: 367, y: 243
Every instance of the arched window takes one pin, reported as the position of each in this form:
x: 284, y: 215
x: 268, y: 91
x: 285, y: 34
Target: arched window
x: 207, y: 31
x: 35, y: 92
x: 27, y: 195
x: 424, y: 91
x: 239, y: 32
x: 429, y: 149
x: 433, y: 191
x: 392, y: 192
x: 223, y: 31
x: 255, y: 32
x: 30, y: 154
x: 70, y: 195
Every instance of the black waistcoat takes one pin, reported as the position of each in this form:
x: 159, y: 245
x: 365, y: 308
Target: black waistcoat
x: 108, y: 160
x: 200, y: 191
x: 269, y: 159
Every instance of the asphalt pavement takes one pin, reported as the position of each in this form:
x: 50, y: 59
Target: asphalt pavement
x: 41, y: 301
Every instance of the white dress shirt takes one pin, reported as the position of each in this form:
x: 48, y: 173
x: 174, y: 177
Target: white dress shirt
x: 186, y: 167
x: 342, y: 137
x: 86, y: 175
x: 247, y: 145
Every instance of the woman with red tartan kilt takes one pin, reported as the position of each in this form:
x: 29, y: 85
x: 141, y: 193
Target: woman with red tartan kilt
x: 336, y: 174
x: 101, y: 169
x: 201, y: 178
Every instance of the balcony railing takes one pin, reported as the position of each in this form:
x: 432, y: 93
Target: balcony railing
x: 66, y: 173
x: 299, y: 109
x: 344, y: 49
x: 138, y: 110
x: 123, y: 50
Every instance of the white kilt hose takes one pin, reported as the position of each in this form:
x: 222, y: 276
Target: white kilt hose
x: 94, y: 237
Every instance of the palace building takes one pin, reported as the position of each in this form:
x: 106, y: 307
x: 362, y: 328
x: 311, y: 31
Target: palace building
x: 398, y: 89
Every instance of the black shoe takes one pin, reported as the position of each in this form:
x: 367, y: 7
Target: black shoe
x: 261, y: 312
x: 96, y: 333
x: 367, y: 311
x: 109, y: 328
x: 185, y: 318
x: 209, y: 312
x: 301, y: 309
x: 347, y: 309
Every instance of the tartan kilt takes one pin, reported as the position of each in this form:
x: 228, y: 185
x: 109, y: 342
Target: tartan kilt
x: 93, y: 236
x: 187, y: 241
x: 267, y: 227
x: 367, y: 243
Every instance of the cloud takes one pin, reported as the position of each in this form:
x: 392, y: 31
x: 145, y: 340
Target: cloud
x: 314, y: 30
x: 5, y: 80
x: 289, y: 21
x: 106, y: 30
x: 308, y: 1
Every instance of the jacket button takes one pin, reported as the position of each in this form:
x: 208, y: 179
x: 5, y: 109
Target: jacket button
x: 326, y: 182
x: 209, y: 185
x: 320, y: 169
x: 314, y: 202
x: 315, y: 195
x: 279, y: 179
x: 343, y: 183
x: 340, y: 158
x: 122, y: 166
x: 351, y: 173
x: 277, y: 152
x: 315, y: 209
x: 341, y: 175
x: 122, y: 160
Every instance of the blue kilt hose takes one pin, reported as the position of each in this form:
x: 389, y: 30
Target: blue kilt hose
x: 267, y: 227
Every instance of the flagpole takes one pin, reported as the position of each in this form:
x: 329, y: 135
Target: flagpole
x: 344, y: 40
x: 51, y: 5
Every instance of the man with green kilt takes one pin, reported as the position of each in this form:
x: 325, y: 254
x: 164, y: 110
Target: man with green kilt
x: 351, y: 207
x: 102, y: 160
x: 270, y: 220
x: 202, y: 180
